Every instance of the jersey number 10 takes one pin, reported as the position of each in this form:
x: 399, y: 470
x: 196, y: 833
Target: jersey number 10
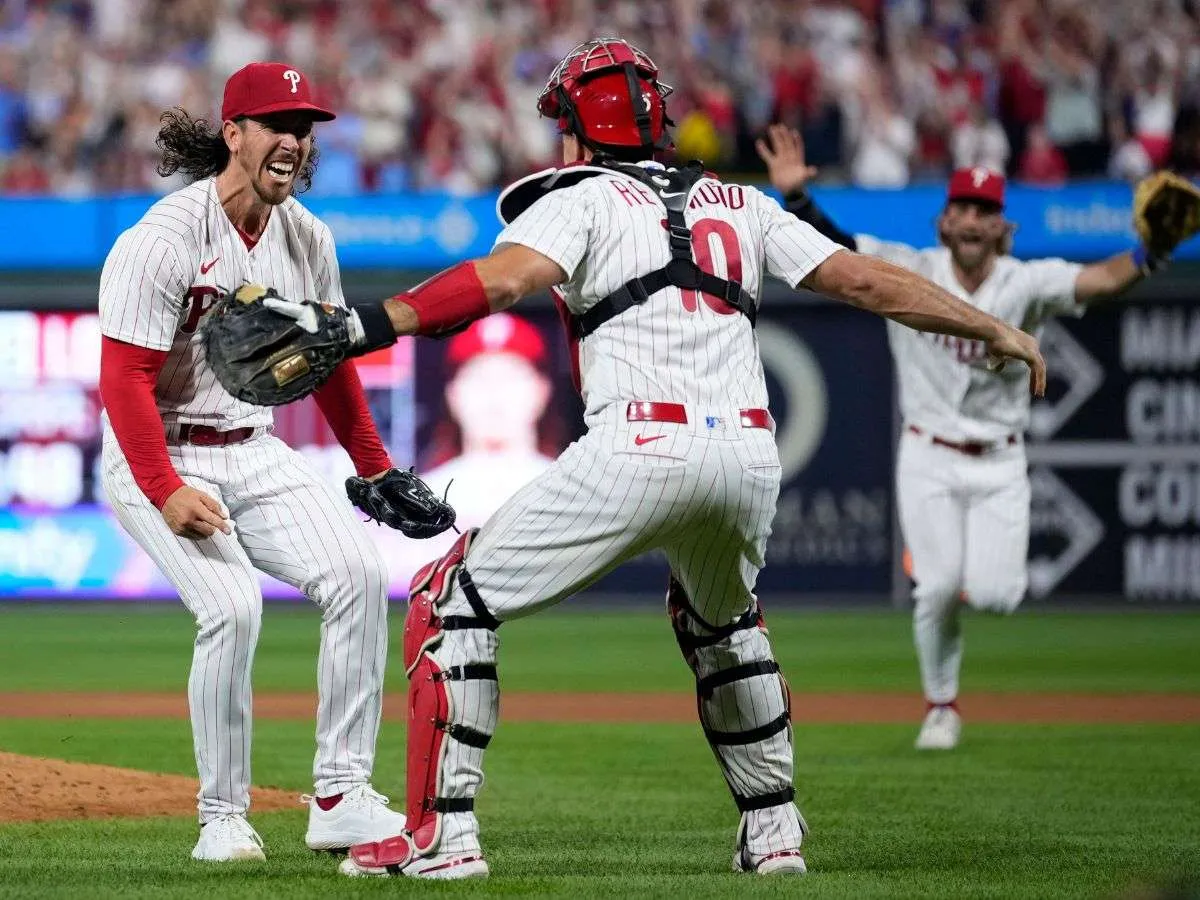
x: 702, y: 253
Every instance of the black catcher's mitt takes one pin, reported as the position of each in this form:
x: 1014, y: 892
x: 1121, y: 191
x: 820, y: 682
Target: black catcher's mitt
x: 403, y: 501
x: 266, y: 358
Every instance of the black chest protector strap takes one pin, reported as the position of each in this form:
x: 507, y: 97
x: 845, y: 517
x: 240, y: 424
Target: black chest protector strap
x: 673, y: 188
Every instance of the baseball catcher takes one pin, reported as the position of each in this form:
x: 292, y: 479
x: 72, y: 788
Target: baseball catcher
x: 267, y: 359
x: 1166, y: 212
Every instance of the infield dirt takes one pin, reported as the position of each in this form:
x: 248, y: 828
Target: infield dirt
x: 35, y: 789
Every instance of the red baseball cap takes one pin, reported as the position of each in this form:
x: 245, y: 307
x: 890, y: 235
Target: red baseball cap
x: 978, y: 183
x: 262, y: 88
x: 498, y: 333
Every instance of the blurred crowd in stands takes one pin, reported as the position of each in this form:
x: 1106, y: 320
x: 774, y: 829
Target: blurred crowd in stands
x: 440, y: 94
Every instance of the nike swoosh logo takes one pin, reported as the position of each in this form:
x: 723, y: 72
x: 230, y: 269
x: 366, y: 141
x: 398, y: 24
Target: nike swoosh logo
x: 639, y: 440
x: 204, y: 269
x: 666, y: 196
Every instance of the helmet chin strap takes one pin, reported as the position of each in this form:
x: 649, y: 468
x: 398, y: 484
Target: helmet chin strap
x: 641, y: 111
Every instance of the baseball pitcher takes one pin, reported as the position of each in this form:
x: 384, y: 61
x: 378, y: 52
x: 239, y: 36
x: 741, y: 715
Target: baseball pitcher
x: 194, y: 475
x: 659, y: 272
x: 961, y: 481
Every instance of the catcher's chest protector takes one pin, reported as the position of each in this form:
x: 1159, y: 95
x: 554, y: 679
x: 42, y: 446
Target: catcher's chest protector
x: 674, y: 188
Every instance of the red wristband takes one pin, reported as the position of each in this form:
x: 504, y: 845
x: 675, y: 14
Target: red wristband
x: 448, y: 300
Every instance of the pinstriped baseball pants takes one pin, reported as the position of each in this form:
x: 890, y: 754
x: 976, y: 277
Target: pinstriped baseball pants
x: 706, y: 498
x: 705, y: 495
x: 966, y: 523
x: 289, y: 523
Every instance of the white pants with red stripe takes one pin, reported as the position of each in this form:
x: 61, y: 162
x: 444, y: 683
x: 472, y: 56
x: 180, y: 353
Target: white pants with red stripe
x: 965, y: 521
x: 288, y: 522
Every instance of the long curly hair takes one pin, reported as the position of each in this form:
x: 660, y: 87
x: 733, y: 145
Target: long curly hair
x: 197, y: 149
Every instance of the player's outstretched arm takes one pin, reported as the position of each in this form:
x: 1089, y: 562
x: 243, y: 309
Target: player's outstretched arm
x: 888, y: 290
x: 1109, y: 277
x: 468, y: 291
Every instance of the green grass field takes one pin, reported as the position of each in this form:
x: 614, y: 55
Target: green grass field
x: 640, y: 810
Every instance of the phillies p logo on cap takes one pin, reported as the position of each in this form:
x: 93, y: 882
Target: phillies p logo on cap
x: 977, y: 183
x: 263, y: 88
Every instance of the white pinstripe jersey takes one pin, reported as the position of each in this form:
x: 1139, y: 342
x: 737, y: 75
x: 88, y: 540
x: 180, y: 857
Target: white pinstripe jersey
x: 163, y: 275
x: 945, y: 385
x: 678, y: 346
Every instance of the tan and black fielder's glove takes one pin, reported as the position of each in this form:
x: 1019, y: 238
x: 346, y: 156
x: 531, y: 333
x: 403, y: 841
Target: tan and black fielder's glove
x: 402, y: 500
x: 1166, y: 212
x: 267, y: 358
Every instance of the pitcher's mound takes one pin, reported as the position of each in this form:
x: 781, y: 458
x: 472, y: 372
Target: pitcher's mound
x: 37, y: 790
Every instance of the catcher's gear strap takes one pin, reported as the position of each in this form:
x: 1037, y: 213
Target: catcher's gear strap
x: 449, y: 301
x: 742, y: 700
x: 673, y: 187
x: 641, y: 115
x: 523, y: 193
x: 471, y: 594
x: 765, y: 801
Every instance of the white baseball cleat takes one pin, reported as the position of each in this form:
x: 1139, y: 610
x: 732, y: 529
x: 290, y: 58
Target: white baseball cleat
x: 360, y: 817
x: 228, y: 839
x: 941, y: 729
x: 395, y: 857
x: 782, y: 862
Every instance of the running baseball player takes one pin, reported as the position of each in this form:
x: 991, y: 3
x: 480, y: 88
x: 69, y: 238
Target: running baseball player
x: 660, y: 272
x: 961, y: 481
x: 196, y: 478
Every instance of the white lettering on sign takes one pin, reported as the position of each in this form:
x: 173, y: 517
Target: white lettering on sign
x: 1160, y: 339
x: 1163, y: 410
x: 1162, y: 567
x: 46, y: 549
x: 1161, y: 495
x: 49, y: 347
x: 42, y: 474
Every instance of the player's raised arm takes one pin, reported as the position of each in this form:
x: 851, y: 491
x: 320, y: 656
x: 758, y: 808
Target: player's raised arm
x: 898, y: 294
x: 783, y: 151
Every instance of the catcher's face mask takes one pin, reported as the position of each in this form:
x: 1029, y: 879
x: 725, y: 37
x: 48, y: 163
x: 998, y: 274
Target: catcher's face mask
x: 606, y: 92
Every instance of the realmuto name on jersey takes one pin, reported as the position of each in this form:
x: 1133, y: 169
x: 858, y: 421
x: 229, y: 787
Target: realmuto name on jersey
x: 706, y: 193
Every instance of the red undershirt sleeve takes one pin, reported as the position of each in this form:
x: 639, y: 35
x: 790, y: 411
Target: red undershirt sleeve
x: 127, y: 377
x: 344, y: 404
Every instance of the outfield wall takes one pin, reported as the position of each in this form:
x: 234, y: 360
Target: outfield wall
x: 1114, y: 448
x: 1114, y: 452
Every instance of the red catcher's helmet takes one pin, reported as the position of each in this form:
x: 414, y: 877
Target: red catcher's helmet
x: 606, y: 92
